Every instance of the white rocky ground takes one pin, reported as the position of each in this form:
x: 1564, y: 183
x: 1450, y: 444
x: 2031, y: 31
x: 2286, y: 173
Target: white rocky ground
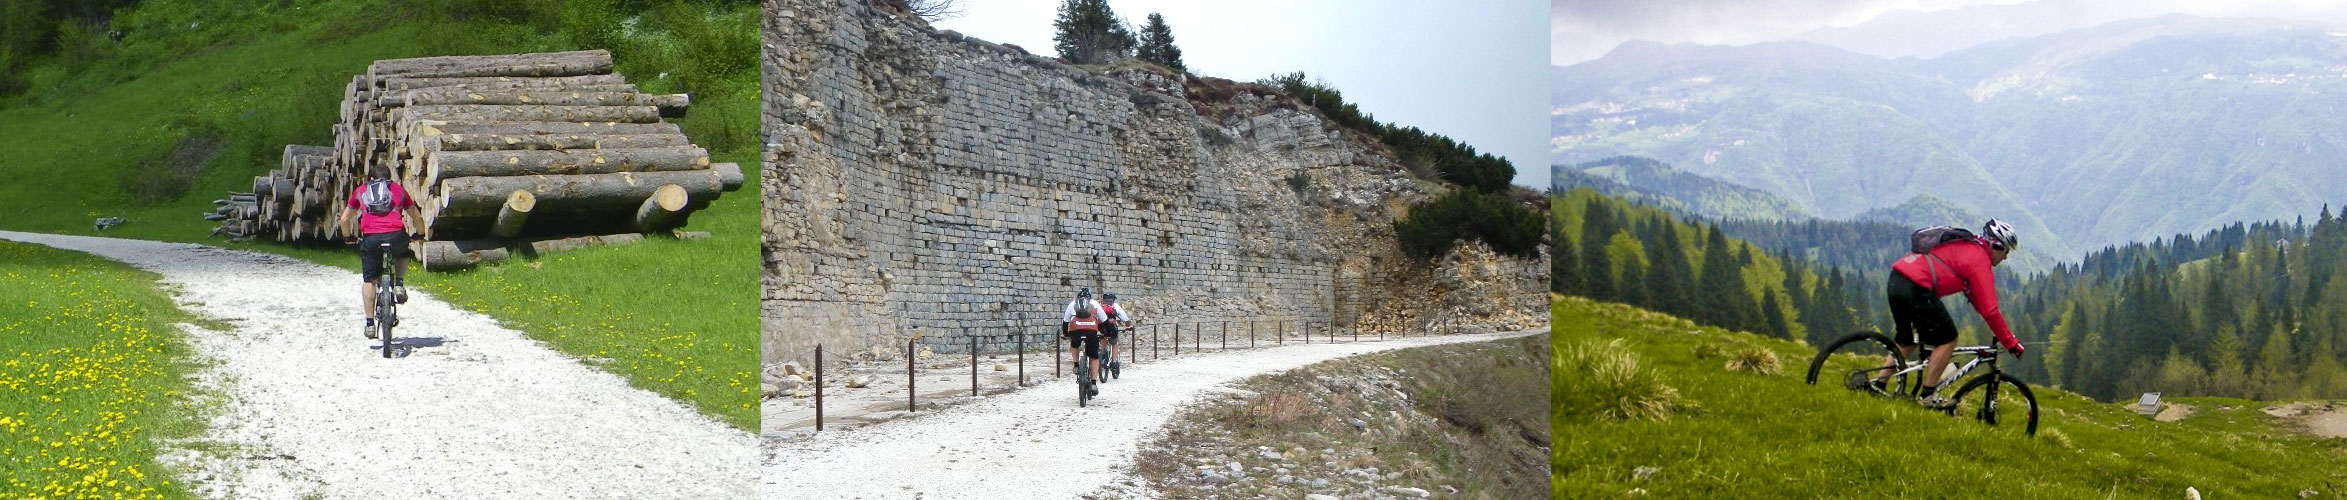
x: 1034, y: 442
x: 303, y: 406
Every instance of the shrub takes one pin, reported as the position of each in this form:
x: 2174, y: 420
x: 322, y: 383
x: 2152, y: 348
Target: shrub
x: 1300, y: 182
x: 1431, y: 229
x: 1755, y: 360
x: 1605, y: 381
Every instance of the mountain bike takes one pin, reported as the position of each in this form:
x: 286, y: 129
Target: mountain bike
x: 1115, y: 369
x: 388, y: 297
x: 1869, y: 357
x: 1084, y: 381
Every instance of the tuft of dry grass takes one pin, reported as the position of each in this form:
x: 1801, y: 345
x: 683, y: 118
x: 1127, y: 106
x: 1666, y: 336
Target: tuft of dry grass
x: 1606, y: 379
x: 1755, y: 360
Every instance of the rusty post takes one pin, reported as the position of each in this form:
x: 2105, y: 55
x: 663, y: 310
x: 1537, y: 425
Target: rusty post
x: 1250, y: 334
x: 1022, y: 356
x: 910, y: 378
x: 818, y: 387
x: 1307, y: 333
x: 1226, y: 334
x: 973, y: 362
x: 1133, y: 356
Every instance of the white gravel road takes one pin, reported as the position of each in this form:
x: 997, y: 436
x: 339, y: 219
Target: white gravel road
x: 1034, y: 443
x: 308, y: 408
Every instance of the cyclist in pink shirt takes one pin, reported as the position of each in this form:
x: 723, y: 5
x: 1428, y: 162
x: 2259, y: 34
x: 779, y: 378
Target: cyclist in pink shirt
x: 382, y: 209
x: 1919, y: 280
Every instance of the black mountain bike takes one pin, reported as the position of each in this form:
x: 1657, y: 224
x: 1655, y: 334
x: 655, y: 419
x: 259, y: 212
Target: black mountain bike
x: 1859, y: 360
x: 1084, y: 380
x: 387, y: 298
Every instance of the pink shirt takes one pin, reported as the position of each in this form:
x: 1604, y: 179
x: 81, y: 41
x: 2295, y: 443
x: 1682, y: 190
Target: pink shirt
x: 387, y: 223
x: 1967, y: 271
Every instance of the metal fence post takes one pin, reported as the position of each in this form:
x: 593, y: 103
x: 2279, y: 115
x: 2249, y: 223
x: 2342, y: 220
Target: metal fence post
x: 973, y: 361
x: 818, y: 387
x: 910, y: 378
x: 1250, y: 334
x: 1022, y: 340
x: 1226, y: 334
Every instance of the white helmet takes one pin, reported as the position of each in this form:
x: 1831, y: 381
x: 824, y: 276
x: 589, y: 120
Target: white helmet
x: 2000, y: 234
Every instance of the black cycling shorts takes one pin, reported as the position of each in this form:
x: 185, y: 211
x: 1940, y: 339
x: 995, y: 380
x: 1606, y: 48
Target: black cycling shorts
x: 1918, y: 314
x: 1108, y: 330
x: 1090, y: 341
x: 371, y: 252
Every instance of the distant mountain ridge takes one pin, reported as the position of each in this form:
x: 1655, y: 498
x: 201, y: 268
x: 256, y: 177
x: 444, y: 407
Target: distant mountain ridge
x: 1646, y: 181
x: 2084, y: 138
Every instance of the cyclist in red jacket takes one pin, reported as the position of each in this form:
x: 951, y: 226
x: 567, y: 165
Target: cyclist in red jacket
x: 1919, y: 280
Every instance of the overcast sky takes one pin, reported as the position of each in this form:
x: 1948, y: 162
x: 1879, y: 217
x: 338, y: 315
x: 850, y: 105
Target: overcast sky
x: 1581, y: 30
x: 1475, y: 74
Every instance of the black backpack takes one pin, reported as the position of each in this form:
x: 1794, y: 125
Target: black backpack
x: 1923, y: 240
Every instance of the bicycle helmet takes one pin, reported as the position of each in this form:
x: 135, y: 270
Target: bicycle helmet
x: 2000, y: 235
x: 1108, y: 297
x: 1083, y: 293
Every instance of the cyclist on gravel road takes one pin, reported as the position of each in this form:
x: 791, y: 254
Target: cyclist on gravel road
x: 1114, y: 318
x: 383, y: 209
x: 1081, y: 325
x: 1918, y: 280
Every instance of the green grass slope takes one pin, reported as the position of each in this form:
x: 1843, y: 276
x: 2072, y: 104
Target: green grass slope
x: 91, y: 377
x: 1709, y: 432
x: 199, y: 97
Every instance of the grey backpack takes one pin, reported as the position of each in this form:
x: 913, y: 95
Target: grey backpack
x: 1932, y: 237
x: 377, y: 197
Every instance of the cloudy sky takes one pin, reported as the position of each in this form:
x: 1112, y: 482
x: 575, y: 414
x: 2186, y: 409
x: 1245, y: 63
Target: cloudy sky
x: 1474, y: 74
x: 1581, y: 30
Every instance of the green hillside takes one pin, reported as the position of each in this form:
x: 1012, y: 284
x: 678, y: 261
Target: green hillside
x: 1710, y: 432
x: 195, y: 98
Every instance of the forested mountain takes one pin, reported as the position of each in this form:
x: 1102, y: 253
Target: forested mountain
x: 1609, y: 249
x: 1646, y: 181
x: 2083, y: 139
x: 2247, y: 310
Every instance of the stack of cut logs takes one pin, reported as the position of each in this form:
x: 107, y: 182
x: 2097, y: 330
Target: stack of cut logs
x: 505, y: 154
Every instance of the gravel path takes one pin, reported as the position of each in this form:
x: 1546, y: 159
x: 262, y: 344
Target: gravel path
x: 1034, y: 442
x: 307, y: 408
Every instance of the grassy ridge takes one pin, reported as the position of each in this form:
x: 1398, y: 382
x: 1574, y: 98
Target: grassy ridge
x: 90, y: 377
x: 199, y: 97
x: 1747, y: 435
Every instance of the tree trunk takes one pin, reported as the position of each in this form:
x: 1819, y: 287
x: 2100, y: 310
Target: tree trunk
x: 451, y: 255
x: 400, y: 98
x: 591, y: 62
x: 455, y: 164
x: 660, y: 211
x: 543, y: 97
x: 480, y: 196
x: 439, y: 127
x: 493, y: 113
x: 511, y: 215
x: 411, y: 83
x: 508, y: 142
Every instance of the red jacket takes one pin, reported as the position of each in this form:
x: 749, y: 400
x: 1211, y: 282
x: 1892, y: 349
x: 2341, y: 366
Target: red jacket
x: 1966, y: 269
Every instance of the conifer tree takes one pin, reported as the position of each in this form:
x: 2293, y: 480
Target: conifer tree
x: 1088, y: 32
x: 1157, y: 44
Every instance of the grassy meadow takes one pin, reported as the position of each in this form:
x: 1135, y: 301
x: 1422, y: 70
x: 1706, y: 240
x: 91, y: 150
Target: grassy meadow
x: 90, y: 377
x: 1636, y: 389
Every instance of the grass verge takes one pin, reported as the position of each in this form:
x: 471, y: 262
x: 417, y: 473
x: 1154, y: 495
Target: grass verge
x: 91, y: 377
x: 1756, y: 435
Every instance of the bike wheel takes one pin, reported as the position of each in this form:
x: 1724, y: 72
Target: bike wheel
x: 2003, y: 401
x: 1859, y: 358
x: 384, y: 317
x: 1083, y: 383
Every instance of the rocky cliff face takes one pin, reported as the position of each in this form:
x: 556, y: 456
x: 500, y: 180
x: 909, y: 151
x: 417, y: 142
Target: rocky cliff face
x: 922, y: 182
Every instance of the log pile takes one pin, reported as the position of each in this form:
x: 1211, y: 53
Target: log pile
x: 502, y: 152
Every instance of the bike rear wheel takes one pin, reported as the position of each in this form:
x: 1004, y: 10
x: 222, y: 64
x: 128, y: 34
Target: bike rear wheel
x: 1083, y: 381
x: 1863, y: 357
x: 385, y: 317
x: 2001, y: 401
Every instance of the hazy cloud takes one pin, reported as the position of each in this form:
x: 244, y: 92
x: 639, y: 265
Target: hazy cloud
x: 1581, y: 30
